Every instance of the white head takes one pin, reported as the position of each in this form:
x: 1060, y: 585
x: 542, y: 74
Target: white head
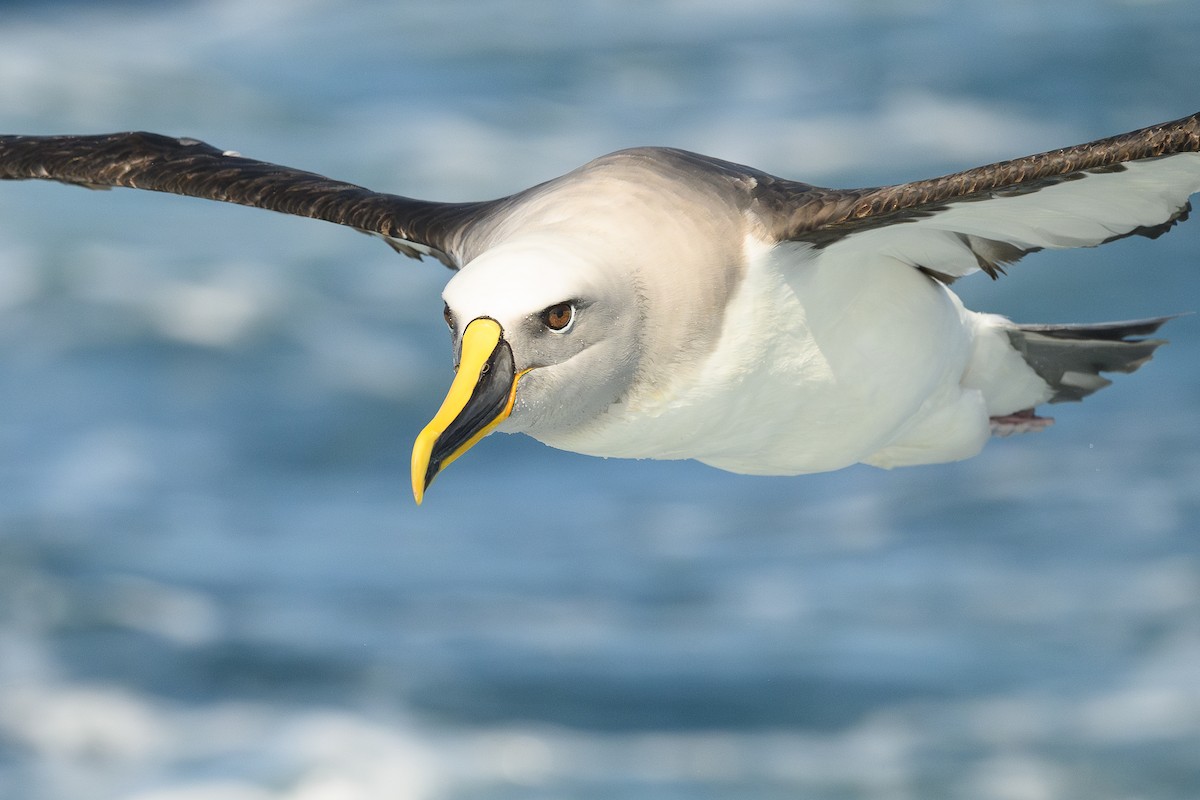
x: 584, y: 292
x: 564, y: 345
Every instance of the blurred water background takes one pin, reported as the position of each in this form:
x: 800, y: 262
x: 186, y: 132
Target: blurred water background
x: 214, y: 582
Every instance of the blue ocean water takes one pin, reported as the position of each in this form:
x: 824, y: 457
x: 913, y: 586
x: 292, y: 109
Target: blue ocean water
x: 214, y: 582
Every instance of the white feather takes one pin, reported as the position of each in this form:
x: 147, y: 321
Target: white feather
x: 1076, y: 213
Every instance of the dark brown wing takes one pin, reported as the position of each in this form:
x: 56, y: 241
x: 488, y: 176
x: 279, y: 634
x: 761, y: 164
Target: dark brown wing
x: 840, y: 212
x: 190, y: 167
x: 1136, y: 183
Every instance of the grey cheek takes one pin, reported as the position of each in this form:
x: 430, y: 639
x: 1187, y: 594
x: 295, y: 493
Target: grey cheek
x: 523, y: 417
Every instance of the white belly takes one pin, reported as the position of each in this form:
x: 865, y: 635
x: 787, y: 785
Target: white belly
x: 818, y: 366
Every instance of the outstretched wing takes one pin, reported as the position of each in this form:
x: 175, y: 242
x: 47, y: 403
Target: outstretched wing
x: 1136, y: 183
x: 189, y: 167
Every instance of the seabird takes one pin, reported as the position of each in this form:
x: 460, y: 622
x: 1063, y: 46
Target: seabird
x: 657, y: 303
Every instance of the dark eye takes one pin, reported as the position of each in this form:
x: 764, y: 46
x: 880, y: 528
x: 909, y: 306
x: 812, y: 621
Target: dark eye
x: 448, y: 315
x: 559, y: 316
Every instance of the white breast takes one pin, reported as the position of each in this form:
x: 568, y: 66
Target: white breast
x: 819, y: 365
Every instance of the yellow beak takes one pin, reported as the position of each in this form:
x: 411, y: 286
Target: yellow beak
x: 480, y: 398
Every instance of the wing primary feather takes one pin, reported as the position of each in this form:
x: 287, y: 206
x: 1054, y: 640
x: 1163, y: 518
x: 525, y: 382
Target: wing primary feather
x: 190, y: 167
x: 823, y: 216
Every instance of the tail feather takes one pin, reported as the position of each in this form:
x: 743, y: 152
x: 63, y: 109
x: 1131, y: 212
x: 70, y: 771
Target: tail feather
x: 1070, y: 358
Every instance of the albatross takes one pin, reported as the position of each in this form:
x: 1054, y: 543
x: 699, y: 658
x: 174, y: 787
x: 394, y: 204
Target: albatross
x: 658, y: 303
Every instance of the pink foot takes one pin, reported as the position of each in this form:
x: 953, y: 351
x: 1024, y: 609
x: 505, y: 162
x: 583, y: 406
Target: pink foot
x: 1020, y: 422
